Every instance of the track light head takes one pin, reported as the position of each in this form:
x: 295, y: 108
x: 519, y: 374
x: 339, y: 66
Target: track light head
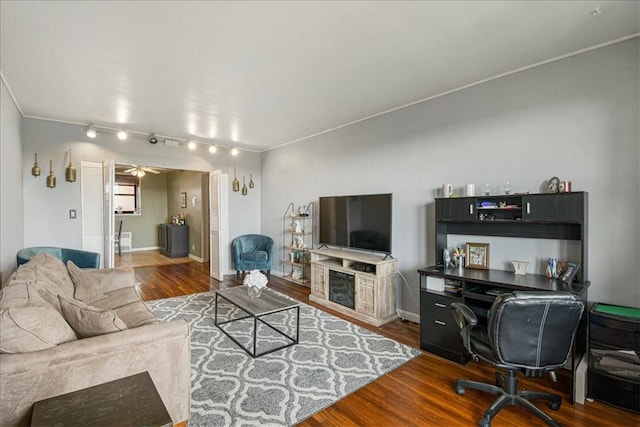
x: 153, y: 139
x: 234, y: 151
x: 213, y: 149
x: 122, y: 135
x: 191, y: 145
x: 91, y: 132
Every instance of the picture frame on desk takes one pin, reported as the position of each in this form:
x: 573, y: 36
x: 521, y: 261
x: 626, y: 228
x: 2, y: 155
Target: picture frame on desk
x: 569, y: 272
x: 477, y: 256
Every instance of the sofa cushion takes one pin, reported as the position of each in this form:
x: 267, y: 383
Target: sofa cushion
x: 28, y: 321
x: 32, y: 328
x: 91, y: 285
x: 259, y: 256
x: 88, y: 321
x: 128, y: 306
x: 47, y: 271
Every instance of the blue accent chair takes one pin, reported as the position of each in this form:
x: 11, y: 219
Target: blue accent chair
x: 252, y: 252
x: 83, y: 259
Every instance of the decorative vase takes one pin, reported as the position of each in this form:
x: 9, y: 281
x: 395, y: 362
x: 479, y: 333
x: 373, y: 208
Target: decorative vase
x: 254, y: 292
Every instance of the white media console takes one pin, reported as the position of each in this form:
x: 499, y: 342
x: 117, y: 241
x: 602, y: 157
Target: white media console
x: 355, y: 284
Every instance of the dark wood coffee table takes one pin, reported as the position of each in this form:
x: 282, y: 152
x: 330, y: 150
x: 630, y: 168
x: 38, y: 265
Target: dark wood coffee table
x: 130, y: 401
x: 257, y: 309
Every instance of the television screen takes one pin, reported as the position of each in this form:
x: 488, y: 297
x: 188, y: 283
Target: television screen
x: 359, y: 222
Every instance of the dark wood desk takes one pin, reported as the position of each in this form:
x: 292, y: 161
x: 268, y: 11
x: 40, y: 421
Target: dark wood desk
x: 439, y: 334
x: 130, y: 401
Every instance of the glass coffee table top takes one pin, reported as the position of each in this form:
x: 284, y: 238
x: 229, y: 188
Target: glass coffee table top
x: 272, y: 329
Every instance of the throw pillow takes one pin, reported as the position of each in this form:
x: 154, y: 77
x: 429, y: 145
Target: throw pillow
x: 88, y: 321
x: 32, y: 328
x: 91, y: 285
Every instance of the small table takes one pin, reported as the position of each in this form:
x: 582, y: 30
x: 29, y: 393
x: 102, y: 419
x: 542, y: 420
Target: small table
x: 257, y: 308
x: 131, y: 401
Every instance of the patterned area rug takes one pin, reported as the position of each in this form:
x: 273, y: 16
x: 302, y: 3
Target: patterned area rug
x: 229, y: 387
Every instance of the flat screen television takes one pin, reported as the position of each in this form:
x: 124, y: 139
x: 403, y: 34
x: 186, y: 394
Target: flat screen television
x: 358, y: 222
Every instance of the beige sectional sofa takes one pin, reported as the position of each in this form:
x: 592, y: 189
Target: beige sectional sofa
x: 63, y: 328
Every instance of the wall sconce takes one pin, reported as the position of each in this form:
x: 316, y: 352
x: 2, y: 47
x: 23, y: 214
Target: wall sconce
x: 70, y: 172
x: 51, y: 179
x: 35, y: 170
x: 251, y: 184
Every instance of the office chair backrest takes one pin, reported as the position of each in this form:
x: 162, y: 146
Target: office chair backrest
x: 534, y: 329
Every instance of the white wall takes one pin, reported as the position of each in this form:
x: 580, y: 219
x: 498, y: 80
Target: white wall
x: 11, y: 163
x: 46, y: 211
x: 576, y: 118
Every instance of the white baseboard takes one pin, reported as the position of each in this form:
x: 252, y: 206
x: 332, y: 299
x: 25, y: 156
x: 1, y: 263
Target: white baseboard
x: 197, y: 258
x: 150, y: 248
x: 407, y: 315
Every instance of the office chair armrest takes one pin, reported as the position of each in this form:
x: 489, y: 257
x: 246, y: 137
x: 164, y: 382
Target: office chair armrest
x: 466, y: 320
x: 463, y: 315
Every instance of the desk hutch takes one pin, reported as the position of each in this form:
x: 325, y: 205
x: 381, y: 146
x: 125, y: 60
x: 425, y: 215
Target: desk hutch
x: 561, y: 216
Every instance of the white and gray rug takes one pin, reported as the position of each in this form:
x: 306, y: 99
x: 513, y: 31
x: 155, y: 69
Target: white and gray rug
x: 228, y: 387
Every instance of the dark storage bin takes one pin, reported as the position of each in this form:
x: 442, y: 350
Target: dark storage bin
x: 615, y: 391
x: 612, y: 332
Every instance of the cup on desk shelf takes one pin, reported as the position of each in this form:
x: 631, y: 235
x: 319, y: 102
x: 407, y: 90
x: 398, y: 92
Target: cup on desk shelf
x: 470, y: 190
x: 447, y: 190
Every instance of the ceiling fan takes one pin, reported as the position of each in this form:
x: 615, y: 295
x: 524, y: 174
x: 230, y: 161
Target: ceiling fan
x: 140, y: 171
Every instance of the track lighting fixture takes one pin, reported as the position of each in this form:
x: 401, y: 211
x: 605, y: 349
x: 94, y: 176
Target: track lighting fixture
x: 122, y: 135
x: 153, y: 139
x: 234, y: 151
x: 191, y: 145
x: 212, y: 149
x: 91, y: 131
x: 35, y: 170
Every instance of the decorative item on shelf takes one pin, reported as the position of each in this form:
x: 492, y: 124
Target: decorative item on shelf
x: 235, y: 184
x: 564, y: 187
x: 303, y: 210
x: 520, y: 267
x: 458, y: 257
x: 447, y: 258
x: 554, y: 268
x: 181, y: 220
x: 51, y: 179
x: 553, y: 185
x: 447, y: 190
x: 255, y: 282
x: 470, y: 190
x: 297, y: 227
x: 477, y: 255
x: 244, y: 187
x: 251, y: 184
x: 35, y: 170
x: 300, y: 242
x: 507, y: 188
x: 70, y: 171
x: 296, y: 274
x: 569, y: 272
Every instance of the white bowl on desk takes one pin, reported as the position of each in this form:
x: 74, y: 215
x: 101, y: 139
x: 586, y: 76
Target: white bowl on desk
x: 520, y: 267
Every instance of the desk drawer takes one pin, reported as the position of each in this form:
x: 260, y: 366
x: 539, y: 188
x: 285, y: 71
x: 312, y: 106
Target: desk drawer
x: 436, y: 303
x: 441, y: 331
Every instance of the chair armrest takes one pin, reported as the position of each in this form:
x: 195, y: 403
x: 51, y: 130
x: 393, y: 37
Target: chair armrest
x: 466, y: 320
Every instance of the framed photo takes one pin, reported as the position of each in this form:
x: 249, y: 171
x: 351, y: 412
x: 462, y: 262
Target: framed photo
x: 569, y: 272
x: 183, y: 199
x: 477, y: 256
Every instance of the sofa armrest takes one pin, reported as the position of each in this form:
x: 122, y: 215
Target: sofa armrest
x: 162, y: 349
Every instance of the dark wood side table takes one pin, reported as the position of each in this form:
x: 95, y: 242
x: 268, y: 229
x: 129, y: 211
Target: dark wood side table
x: 131, y: 401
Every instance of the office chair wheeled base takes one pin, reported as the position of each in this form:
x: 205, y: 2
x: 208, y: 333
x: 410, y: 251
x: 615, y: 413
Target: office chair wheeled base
x: 508, y: 394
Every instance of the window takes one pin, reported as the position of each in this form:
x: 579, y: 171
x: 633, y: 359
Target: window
x: 126, y: 194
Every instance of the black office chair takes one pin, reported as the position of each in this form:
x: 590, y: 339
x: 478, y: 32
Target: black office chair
x: 527, y: 332
x: 117, y: 239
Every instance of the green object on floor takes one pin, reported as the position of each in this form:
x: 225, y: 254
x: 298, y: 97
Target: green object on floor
x: 618, y: 310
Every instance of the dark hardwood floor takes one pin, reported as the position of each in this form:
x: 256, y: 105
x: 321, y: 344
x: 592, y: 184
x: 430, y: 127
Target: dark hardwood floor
x: 419, y: 393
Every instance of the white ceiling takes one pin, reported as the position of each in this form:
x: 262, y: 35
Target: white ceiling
x: 262, y: 74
